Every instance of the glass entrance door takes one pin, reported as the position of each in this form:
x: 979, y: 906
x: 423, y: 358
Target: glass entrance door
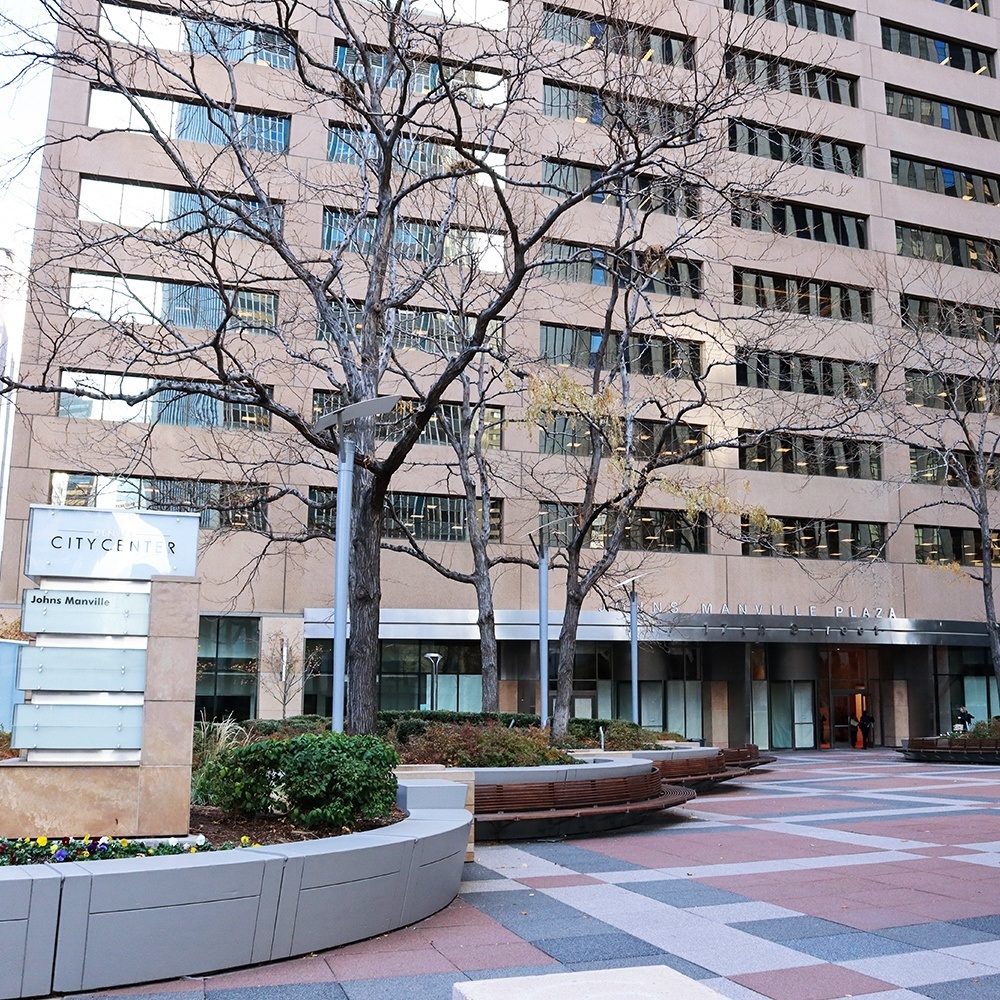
x: 848, y: 707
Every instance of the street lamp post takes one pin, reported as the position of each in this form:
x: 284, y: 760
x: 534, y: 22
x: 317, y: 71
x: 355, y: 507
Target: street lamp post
x: 633, y: 625
x: 434, y: 659
x: 342, y: 551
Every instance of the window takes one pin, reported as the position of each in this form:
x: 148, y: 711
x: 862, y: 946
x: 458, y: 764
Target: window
x: 221, y: 505
x: 478, y: 87
x: 800, y: 14
x: 668, y: 196
x: 973, y: 6
x: 927, y: 110
x: 941, y: 247
x: 489, y: 14
x: 422, y: 329
x: 139, y: 206
x: 251, y: 130
x: 420, y: 156
x: 802, y: 296
x: 944, y: 51
x: 152, y: 29
x: 953, y: 468
x: 804, y: 455
x: 803, y: 221
x: 956, y: 182
x: 613, y: 111
x: 144, y: 301
x: 645, y: 270
x: 805, y: 538
x: 952, y: 319
x: 798, y: 148
x: 756, y: 69
x: 646, y: 529
x: 805, y: 373
x: 569, y: 434
x: 616, y: 37
x: 417, y: 241
x: 647, y: 354
x: 448, y: 418
x: 958, y: 393
x: 174, y: 405
x: 936, y: 546
x: 228, y: 658
x: 427, y: 517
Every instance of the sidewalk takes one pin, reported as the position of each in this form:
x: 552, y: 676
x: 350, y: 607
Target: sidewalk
x: 834, y: 874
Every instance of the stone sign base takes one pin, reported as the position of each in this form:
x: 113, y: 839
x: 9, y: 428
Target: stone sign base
x: 147, y: 799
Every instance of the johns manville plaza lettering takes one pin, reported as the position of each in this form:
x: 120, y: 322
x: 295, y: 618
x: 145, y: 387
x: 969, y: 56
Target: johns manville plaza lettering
x: 795, y: 610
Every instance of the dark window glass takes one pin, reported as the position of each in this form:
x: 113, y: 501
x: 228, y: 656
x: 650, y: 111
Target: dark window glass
x: 805, y: 373
x: 937, y: 545
x: 773, y: 73
x: 805, y: 455
x: 800, y: 14
x: 927, y: 110
x: 807, y: 538
x: 647, y: 528
x: 228, y: 664
x: 944, y: 51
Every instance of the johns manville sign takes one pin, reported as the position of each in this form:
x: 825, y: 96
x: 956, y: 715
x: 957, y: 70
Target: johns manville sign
x: 78, y: 542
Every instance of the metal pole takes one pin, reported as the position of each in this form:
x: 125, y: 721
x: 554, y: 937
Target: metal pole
x: 633, y: 621
x: 543, y: 631
x: 342, y: 563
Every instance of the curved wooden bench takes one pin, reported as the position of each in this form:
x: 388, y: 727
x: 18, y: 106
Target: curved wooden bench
x: 563, y: 799
x: 693, y: 772
x: 943, y: 750
x: 748, y: 755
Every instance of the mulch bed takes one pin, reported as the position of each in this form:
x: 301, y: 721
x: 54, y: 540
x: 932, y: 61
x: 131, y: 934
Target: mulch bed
x: 221, y: 829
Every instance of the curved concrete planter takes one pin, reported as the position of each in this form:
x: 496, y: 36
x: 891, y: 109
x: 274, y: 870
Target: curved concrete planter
x: 85, y: 926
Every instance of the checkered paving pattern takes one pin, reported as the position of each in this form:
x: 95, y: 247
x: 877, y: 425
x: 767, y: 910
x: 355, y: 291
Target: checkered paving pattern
x: 834, y: 874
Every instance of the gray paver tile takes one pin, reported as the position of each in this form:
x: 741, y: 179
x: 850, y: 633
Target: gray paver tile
x: 597, y: 948
x: 437, y: 986
x: 976, y: 988
x: 289, y: 991
x: 937, y: 936
x: 917, y: 968
x: 789, y: 928
x: 579, y: 859
x: 670, y: 961
x: 848, y: 946
x: 475, y: 872
x: 682, y: 893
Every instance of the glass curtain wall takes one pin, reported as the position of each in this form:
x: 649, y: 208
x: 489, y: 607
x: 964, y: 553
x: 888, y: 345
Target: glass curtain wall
x: 228, y: 651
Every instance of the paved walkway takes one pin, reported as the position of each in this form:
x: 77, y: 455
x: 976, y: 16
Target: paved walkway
x: 832, y: 874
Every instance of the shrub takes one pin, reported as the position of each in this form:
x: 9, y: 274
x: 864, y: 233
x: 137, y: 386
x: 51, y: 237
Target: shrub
x: 484, y: 745
x: 406, y: 729
x: 211, y: 738
x: 295, y: 725
x: 318, y: 780
x: 5, y: 750
x: 622, y: 735
x: 984, y: 730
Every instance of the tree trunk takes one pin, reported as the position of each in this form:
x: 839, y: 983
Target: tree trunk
x: 567, y: 662
x: 989, y: 598
x: 488, y: 645
x: 365, y: 601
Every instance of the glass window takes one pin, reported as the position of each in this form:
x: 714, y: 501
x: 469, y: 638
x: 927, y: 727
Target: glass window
x: 228, y: 663
x: 800, y: 14
x: 799, y: 148
x: 804, y: 455
x: 944, y: 51
x: 774, y: 73
x: 645, y: 529
x: 940, y: 545
x: 926, y: 110
x: 808, y: 538
x: 803, y: 296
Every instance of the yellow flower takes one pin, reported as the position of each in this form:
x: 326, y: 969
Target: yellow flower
x: 193, y: 850
x: 244, y: 841
x: 150, y: 850
x: 256, y: 845
x: 85, y: 854
x: 123, y: 842
x: 42, y: 841
x: 53, y: 848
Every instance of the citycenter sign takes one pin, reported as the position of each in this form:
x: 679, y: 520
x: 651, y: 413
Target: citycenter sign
x: 80, y: 542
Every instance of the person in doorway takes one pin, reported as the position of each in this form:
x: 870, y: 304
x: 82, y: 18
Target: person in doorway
x: 867, y: 726
x: 965, y: 718
x: 852, y: 724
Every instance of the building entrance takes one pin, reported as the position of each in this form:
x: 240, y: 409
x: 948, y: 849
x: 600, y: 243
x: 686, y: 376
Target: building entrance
x: 848, y: 707
x: 848, y: 678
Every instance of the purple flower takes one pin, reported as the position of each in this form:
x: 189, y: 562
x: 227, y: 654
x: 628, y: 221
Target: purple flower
x: 60, y: 855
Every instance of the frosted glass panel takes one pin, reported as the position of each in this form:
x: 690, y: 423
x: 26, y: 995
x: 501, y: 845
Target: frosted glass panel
x: 805, y: 722
x: 676, y: 722
x: 692, y: 693
x: 759, y: 729
x: 651, y: 704
x: 470, y: 692
x: 604, y: 700
x: 781, y: 716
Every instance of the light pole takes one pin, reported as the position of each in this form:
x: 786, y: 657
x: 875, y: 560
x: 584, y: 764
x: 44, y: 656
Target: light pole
x: 435, y: 659
x: 342, y: 533
x: 633, y: 624
x: 542, y: 548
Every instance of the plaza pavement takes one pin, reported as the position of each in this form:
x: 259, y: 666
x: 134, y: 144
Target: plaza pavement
x: 832, y: 874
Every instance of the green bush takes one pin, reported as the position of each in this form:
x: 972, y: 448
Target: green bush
x: 318, y: 780
x: 984, y: 730
x: 294, y: 725
x: 482, y: 745
x: 406, y: 729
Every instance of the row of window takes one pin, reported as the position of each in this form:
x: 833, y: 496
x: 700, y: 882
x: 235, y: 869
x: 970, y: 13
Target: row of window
x: 669, y: 196
x: 800, y: 14
x: 579, y: 347
x: 806, y: 455
x: 957, y: 393
x: 593, y: 31
x: 953, y: 319
x: 944, y: 51
x: 569, y: 434
x: 955, y: 117
x: 584, y: 105
x: 775, y: 73
x: 815, y: 538
x: 943, y: 247
x: 801, y: 296
x: 807, y: 222
x: 787, y: 145
x: 646, y: 270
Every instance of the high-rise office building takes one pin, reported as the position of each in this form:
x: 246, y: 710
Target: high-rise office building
x: 836, y: 210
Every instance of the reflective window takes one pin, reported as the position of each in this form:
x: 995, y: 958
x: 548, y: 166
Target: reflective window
x: 952, y: 319
x: 805, y: 455
x: 228, y: 666
x: 645, y: 270
x: 952, y: 467
x: 927, y: 110
x: 947, y: 391
x: 144, y: 301
x: 252, y: 130
x: 800, y: 14
x: 799, y: 148
x: 944, y: 51
x: 579, y: 104
x: 809, y: 538
x: 221, y: 505
x: 802, y: 296
x: 805, y: 222
x: 942, y: 247
x: 173, y: 404
x: 616, y: 37
x: 569, y: 434
x: 647, y: 529
x: 937, y: 545
x: 790, y: 77
x: 647, y: 354
x: 805, y: 373
x: 957, y: 182
x: 666, y: 195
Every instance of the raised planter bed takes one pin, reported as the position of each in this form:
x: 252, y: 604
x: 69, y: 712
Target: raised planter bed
x: 951, y: 751
x: 93, y: 925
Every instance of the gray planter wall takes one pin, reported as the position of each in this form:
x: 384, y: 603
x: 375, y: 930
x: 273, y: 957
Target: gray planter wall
x: 90, y: 925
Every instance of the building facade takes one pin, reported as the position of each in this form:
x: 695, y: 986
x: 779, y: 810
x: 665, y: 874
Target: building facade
x: 875, y: 127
